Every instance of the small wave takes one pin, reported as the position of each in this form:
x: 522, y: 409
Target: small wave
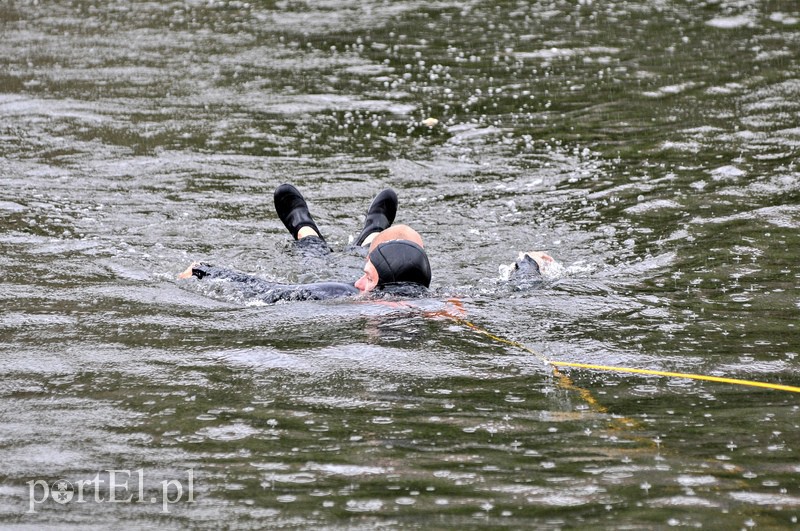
x: 761, y: 498
x: 347, y: 470
x: 787, y: 216
x: 648, y: 206
x: 671, y: 90
x: 683, y: 501
x: 726, y: 173
x: 231, y: 432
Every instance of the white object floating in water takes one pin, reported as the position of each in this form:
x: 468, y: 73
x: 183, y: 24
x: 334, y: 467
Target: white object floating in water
x: 739, y: 21
x: 430, y: 122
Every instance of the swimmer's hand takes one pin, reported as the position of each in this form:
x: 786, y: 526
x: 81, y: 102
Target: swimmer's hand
x: 190, y: 271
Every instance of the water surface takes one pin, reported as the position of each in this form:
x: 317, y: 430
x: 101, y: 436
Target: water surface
x: 651, y: 147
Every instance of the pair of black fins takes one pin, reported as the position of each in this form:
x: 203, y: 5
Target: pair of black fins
x: 293, y: 211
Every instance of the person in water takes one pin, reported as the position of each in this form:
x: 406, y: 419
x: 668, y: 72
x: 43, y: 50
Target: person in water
x: 396, y: 259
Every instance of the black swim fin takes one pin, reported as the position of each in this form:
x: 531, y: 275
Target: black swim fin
x: 293, y: 210
x: 380, y: 215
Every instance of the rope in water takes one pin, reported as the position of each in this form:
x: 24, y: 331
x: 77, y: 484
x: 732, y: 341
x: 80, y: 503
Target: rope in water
x: 668, y: 374
x: 720, y: 379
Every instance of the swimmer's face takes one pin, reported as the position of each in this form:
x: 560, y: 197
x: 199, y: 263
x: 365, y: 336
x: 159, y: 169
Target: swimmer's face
x: 370, y: 278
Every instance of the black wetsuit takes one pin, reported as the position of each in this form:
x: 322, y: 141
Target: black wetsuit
x: 271, y: 292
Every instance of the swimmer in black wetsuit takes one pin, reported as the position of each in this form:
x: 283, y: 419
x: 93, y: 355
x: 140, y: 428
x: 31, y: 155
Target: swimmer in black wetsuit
x: 396, y: 258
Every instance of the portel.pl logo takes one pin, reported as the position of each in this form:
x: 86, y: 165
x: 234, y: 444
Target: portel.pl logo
x: 118, y: 488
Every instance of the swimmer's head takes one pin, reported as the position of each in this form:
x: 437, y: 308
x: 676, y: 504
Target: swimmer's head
x: 394, y: 262
x: 396, y: 232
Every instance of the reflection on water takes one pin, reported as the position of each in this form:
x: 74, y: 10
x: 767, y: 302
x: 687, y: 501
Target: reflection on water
x: 651, y: 148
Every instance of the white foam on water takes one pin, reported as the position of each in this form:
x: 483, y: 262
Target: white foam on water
x: 670, y: 90
x: 726, y: 173
x: 648, y: 206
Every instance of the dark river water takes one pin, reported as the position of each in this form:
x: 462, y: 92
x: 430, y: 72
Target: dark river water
x: 650, y: 147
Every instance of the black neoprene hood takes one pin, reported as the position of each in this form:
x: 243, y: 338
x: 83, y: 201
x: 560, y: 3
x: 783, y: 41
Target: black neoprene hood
x: 401, y: 261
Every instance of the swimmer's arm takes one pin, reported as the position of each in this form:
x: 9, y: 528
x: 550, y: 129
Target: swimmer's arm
x: 259, y: 287
x: 201, y: 270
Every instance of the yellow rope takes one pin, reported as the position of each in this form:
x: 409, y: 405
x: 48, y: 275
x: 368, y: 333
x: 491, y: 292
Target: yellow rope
x: 736, y: 381
x: 766, y: 385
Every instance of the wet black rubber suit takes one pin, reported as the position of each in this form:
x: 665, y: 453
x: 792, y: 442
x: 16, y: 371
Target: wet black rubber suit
x: 271, y: 292
x: 402, y: 266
